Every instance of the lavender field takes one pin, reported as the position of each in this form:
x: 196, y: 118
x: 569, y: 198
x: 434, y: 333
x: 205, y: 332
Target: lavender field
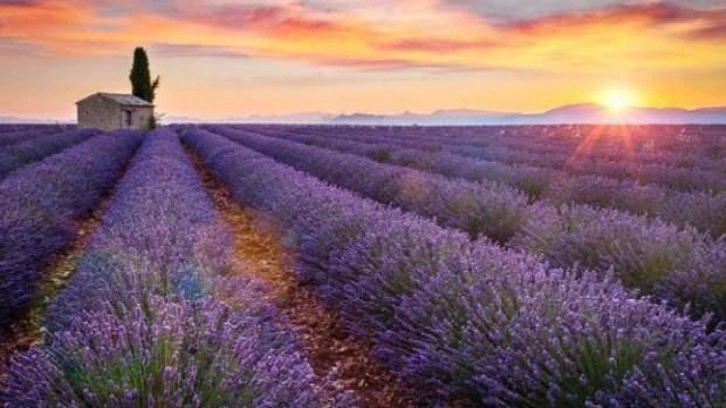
x: 345, y: 266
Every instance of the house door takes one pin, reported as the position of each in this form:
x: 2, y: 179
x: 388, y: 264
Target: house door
x: 127, y: 118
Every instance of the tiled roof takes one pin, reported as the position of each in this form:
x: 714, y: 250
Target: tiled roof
x: 123, y: 99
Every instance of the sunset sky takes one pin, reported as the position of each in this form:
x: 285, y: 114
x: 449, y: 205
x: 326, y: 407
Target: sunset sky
x: 220, y: 59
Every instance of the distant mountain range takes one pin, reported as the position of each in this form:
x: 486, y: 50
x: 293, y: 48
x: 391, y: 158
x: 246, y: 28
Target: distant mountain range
x: 579, y: 113
x: 576, y: 114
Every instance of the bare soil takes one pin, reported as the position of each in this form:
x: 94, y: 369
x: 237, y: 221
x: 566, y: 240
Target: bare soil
x: 58, y: 271
x: 326, y: 344
x: 29, y: 329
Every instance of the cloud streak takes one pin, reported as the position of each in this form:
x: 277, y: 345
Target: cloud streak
x: 646, y: 16
x: 428, y: 33
x: 194, y: 50
x: 555, y: 42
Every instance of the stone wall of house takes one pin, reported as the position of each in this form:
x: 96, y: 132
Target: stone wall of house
x: 140, y: 117
x: 99, y: 113
x: 102, y: 113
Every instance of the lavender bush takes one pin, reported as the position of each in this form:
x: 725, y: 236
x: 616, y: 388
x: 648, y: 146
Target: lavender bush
x: 153, y: 317
x: 518, y: 145
x: 150, y: 239
x: 20, y: 154
x: 39, y: 203
x: 163, y: 352
x: 531, y: 180
x: 484, y: 208
x: 469, y: 323
x: 27, y: 133
x: 642, y: 251
x: 706, y: 211
x: 566, y: 147
x: 645, y: 254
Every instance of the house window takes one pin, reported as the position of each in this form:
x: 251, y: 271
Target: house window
x: 127, y: 118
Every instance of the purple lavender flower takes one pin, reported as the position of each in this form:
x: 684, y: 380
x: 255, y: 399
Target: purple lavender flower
x: 39, y: 147
x: 470, y: 322
x: 152, y: 317
x: 39, y: 203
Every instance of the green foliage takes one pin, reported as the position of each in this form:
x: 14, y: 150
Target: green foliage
x: 154, y: 121
x: 382, y: 155
x: 140, y: 77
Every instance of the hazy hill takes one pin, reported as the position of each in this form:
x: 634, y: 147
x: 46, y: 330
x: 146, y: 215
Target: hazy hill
x: 576, y: 113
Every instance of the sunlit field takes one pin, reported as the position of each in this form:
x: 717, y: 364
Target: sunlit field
x: 301, y: 266
x: 363, y: 204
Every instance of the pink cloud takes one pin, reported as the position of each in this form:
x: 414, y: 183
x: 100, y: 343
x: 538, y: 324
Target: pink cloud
x: 436, y: 45
x: 343, y: 36
x: 648, y: 15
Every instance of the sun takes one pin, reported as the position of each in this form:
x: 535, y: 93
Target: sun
x: 618, y: 100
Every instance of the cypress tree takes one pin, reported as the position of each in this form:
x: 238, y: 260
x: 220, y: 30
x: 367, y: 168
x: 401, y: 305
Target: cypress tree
x: 140, y: 77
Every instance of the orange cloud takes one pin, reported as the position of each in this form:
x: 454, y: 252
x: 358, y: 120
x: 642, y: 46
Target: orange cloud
x: 23, y: 19
x: 436, y: 45
x: 421, y: 35
x: 275, y: 20
x: 664, y: 46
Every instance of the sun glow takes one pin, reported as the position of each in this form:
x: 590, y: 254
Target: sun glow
x: 619, y: 99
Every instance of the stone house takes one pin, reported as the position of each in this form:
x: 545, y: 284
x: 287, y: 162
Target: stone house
x: 109, y: 111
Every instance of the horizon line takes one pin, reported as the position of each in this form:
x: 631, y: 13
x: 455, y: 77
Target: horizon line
x: 493, y: 111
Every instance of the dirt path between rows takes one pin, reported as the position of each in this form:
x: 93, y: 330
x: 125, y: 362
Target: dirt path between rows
x: 29, y: 329
x: 58, y: 271
x: 325, y: 343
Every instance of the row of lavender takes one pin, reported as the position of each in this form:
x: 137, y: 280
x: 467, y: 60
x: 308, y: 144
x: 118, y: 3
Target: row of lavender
x: 662, y: 173
x: 467, y: 322
x: 705, y: 211
x: 38, y: 147
x: 681, y: 163
x: 681, y: 146
x: 38, y: 206
x: 11, y: 128
x: 690, y: 147
x: 25, y: 134
x: 154, y: 315
x: 678, y: 265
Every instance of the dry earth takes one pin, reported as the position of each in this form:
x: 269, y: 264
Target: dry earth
x: 326, y: 344
x: 29, y: 329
